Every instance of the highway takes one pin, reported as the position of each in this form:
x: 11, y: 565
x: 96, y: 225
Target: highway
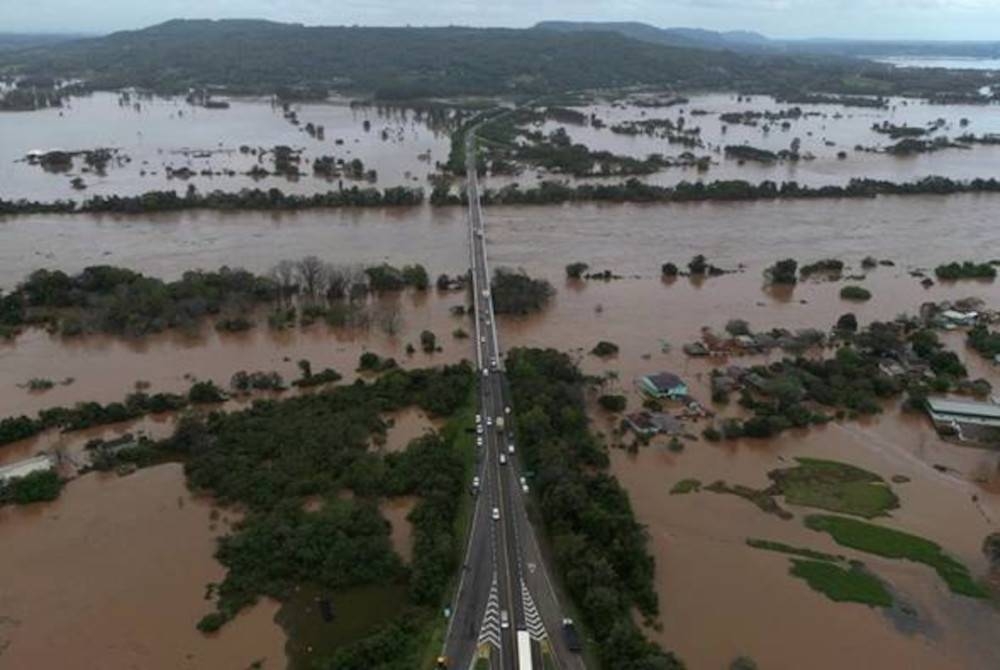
x: 505, y: 595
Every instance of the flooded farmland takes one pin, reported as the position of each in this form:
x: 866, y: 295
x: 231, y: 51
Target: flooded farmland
x: 132, y: 556
x: 712, y: 587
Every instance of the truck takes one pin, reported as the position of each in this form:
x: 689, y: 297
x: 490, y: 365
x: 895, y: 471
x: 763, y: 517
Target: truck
x: 499, y: 423
x: 523, y: 650
x: 571, y: 636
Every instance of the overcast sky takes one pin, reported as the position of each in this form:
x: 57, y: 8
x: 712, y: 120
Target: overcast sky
x: 910, y: 19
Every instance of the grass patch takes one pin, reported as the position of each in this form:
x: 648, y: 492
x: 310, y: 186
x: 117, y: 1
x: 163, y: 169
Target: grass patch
x: 891, y: 543
x: 769, y: 545
x: 836, y: 487
x: 686, y: 486
x: 761, y: 499
x: 852, y: 584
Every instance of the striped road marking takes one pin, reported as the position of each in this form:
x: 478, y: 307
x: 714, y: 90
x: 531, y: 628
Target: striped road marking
x: 490, y: 631
x: 535, y: 626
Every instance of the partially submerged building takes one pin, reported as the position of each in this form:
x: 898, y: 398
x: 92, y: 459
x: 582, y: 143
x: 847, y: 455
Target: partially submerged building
x: 968, y: 420
x: 25, y: 468
x: 663, y: 385
x: 653, y: 423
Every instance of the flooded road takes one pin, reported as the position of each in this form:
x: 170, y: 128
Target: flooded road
x: 113, y: 574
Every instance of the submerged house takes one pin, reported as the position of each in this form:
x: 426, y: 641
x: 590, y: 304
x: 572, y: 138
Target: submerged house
x: 25, y: 468
x: 663, y: 385
x: 652, y: 423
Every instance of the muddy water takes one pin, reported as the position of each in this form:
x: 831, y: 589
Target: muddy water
x: 629, y: 239
x: 158, y: 134
x: 824, y: 131
x: 133, y: 554
x: 396, y: 511
x: 407, y: 425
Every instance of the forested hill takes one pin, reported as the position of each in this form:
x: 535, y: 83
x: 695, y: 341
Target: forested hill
x: 262, y: 57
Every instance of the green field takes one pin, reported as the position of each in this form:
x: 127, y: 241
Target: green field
x: 782, y: 548
x: 686, y: 486
x: 851, y: 584
x: 836, y: 487
x: 891, y: 543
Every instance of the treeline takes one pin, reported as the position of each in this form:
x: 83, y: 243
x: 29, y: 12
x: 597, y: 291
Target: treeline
x: 115, y: 300
x: 90, y: 414
x: 634, y: 190
x: 600, y: 549
x: 243, y: 200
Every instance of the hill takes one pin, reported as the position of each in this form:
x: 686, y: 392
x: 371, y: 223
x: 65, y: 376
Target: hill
x: 738, y: 40
x: 252, y: 56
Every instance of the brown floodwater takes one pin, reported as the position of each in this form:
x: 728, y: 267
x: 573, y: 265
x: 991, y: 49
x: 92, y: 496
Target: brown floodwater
x: 167, y: 132
x: 823, y: 131
x: 713, y: 589
x: 407, y: 425
x: 396, y: 511
x: 112, y: 575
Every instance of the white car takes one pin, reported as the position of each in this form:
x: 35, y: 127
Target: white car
x: 479, y: 418
x: 486, y: 372
x: 479, y: 441
x: 482, y: 338
x: 524, y: 484
x: 479, y: 429
x: 506, y: 410
x: 493, y: 363
x: 475, y: 482
x: 510, y: 448
x: 503, y: 459
x: 489, y: 421
x: 496, y: 513
x: 504, y: 619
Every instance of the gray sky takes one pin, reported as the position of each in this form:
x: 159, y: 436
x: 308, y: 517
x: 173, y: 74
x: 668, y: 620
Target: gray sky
x: 911, y: 19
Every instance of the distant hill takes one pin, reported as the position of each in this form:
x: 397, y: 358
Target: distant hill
x: 680, y: 37
x: 252, y: 56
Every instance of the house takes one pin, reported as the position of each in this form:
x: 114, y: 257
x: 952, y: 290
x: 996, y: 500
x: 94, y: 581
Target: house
x: 663, y: 385
x: 948, y: 412
x: 25, y: 467
x: 652, y: 423
x: 955, y: 318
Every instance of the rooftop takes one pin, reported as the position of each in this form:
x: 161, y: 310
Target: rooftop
x: 665, y: 380
x: 968, y: 408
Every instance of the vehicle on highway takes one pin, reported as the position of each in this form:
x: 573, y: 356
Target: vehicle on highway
x: 479, y: 418
x: 510, y: 448
x: 504, y: 619
x: 506, y: 410
x: 524, y: 484
x: 442, y: 663
x: 524, y: 661
x: 479, y: 441
x: 500, y: 423
x: 503, y: 459
x: 486, y: 372
x: 496, y: 513
x: 479, y: 429
x: 571, y: 636
x: 475, y: 483
x: 482, y: 338
x: 493, y: 363
x: 489, y: 421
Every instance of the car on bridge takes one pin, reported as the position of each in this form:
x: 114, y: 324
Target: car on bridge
x: 496, y: 513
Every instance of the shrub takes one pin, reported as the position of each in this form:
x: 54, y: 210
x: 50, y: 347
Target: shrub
x: 613, y: 403
x: 858, y: 293
x: 604, y: 349
x: 668, y: 270
x: 783, y: 272
x: 576, y: 270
